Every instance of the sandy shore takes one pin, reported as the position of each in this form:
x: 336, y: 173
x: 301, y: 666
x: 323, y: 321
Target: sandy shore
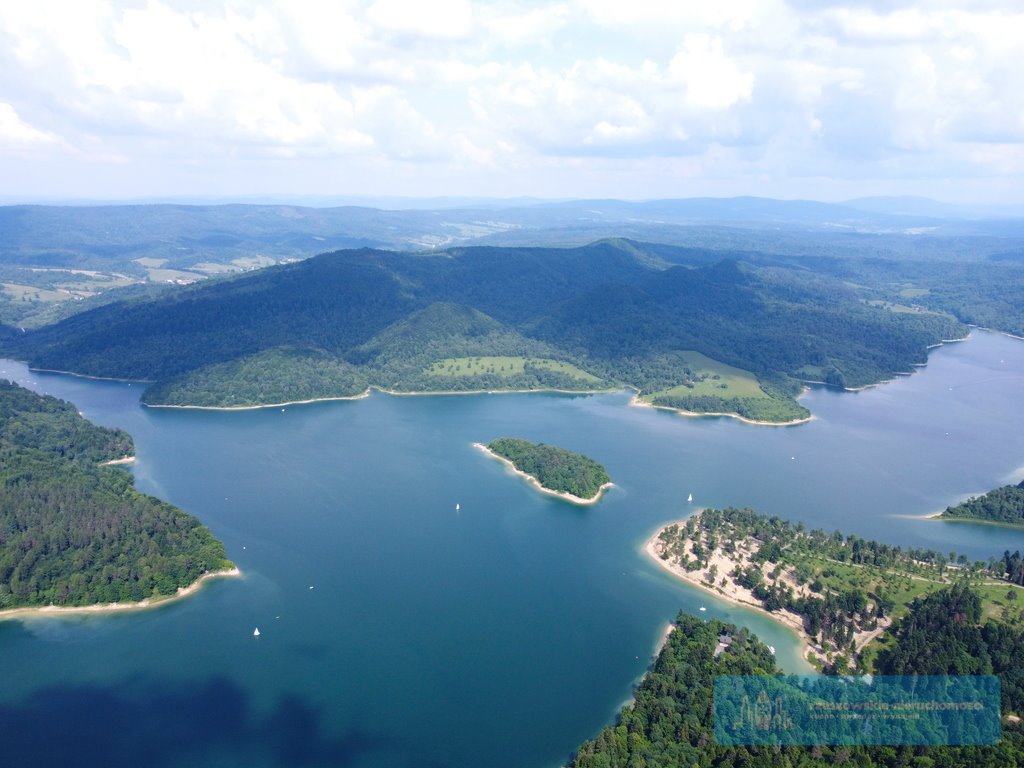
x: 975, y: 520
x: 393, y: 392
x: 122, y: 460
x: 1001, y: 333
x: 738, y: 595
x: 948, y: 341
x: 636, y: 402
x: 53, y: 611
x: 398, y: 393
x: 87, y: 376
x: 536, y: 483
x: 360, y: 396
x: 731, y: 593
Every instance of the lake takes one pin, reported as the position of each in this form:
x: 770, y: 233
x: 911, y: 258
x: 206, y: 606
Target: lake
x: 397, y: 631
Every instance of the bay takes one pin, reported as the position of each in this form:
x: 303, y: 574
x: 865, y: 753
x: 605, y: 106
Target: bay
x: 399, y: 631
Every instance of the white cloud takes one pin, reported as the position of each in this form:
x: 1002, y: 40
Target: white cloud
x: 446, y: 19
x: 713, y: 80
x: 14, y: 130
x: 742, y: 89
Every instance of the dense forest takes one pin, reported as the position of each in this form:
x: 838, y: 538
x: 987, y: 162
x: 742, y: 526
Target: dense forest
x: 1003, y: 505
x: 670, y: 721
x: 554, y: 468
x: 75, y: 532
x: 611, y: 313
x: 944, y: 634
x: 279, y: 375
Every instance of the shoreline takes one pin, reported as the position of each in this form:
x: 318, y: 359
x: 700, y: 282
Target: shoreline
x: 87, y: 376
x: 937, y: 516
x: 1001, y: 333
x: 787, y: 620
x: 360, y: 396
x: 115, y: 462
x: 366, y: 393
x: 536, y: 483
x: 396, y: 393
x: 56, y: 611
x: 942, y: 342
x: 636, y: 402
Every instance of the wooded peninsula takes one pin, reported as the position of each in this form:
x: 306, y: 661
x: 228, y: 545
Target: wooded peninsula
x: 839, y: 593
x: 670, y: 720
x: 1003, y: 506
x: 73, y: 529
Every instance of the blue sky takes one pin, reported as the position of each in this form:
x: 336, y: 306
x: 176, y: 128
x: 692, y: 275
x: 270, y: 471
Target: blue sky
x: 584, y: 98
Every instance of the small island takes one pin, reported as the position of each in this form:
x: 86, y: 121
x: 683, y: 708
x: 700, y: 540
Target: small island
x: 75, y: 535
x: 567, y: 475
x: 1003, y: 506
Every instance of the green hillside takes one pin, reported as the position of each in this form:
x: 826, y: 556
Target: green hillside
x: 613, y: 313
x: 278, y: 375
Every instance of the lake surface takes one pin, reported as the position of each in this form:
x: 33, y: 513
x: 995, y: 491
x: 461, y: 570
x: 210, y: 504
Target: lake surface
x: 397, y: 631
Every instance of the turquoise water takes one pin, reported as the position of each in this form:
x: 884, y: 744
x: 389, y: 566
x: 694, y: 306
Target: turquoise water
x: 502, y: 634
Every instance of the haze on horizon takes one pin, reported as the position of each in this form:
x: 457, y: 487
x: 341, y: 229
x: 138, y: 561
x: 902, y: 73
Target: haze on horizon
x: 115, y: 99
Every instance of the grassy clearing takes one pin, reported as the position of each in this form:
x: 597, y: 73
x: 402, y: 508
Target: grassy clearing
x: 253, y: 262
x: 211, y: 268
x: 811, y: 373
x: 900, y: 308
x: 172, y: 276
x: 713, y: 378
x: 507, y: 367
x: 149, y: 263
x: 20, y: 292
x: 903, y: 588
x: 910, y: 292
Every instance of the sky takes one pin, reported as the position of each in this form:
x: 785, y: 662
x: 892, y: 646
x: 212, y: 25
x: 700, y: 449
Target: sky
x: 632, y: 99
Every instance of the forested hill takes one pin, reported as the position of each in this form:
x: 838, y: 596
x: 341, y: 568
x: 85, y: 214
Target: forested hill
x: 610, y: 314
x: 1003, y: 505
x: 74, y: 532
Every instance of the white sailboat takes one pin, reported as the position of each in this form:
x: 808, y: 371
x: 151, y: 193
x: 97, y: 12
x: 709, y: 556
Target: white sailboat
x: 256, y: 632
x: 702, y: 609
x: 689, y: 499
x: 456, y: 507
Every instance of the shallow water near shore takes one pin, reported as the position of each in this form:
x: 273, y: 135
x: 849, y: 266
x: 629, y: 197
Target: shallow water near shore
x: 501, y: 634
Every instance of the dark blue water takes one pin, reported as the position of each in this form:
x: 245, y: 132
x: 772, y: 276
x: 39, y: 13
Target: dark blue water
x: 502, y: 634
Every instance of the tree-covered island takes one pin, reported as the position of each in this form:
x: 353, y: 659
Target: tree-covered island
x: 73, y: 530
x: 551, y: 469
x: 1003, y: 506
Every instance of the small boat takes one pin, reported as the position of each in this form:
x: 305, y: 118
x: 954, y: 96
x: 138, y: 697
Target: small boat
x: 702, y: 609
x: 456, y: 507
x: 772, y: 649
x: 256, y: 632
x: 690, y: 498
